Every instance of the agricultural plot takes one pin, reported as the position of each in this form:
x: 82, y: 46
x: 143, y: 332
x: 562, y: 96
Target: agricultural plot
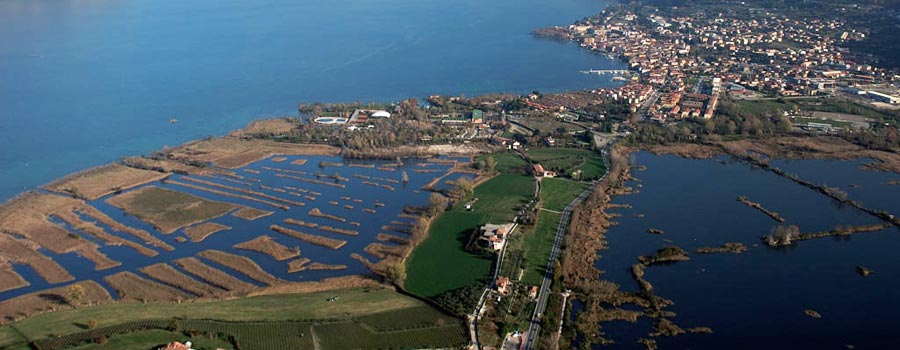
x: 388, y: 319
x: 355, y: 336
x: 537, y: 244
x: 568, y: 160
x: 556, y: 194
x: 441, y: 262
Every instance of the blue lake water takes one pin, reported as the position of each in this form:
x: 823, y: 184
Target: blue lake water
x: 755, y: 300
x: 361, y: 196
x: 84, y: 83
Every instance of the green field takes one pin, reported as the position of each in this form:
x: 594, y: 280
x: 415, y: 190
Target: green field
x: 548, y: 124
x: 567, y: 160
x: 537, y: 244
x: 441, y: 263
x: 556, y: 194
x: 507, y: 162
x: 379, y: 307
x: 529, y: 251
x: 152, y: 339
x: 408, y: 328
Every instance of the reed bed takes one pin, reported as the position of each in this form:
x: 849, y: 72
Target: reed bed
x: 310, y: 238
x: 319, y: 214
x: 266, y: 245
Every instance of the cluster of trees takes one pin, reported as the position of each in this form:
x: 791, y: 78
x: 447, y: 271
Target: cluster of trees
x: 782, y: 235
x: 463, y: 188
x: 460, y: 301
x: 734, y: 120
x: 488, y: 164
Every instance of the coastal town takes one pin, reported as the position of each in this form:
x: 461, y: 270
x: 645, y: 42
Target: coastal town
x: 691, y: 55
x: 532, y: 220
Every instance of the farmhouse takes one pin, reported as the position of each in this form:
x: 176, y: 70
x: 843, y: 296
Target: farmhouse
x: 533, y: 292
x: 503, y: 285
x: 494, y: 236
x: 539, y: 171
x: 177, y: 346
x: 180, y: 346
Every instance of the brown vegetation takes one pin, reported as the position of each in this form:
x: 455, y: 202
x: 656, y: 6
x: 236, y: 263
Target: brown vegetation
x: 161, y: 165
x: 131, y: 287
x: 363, y: 260
x: 684, y: 150
x: 266, y: 128
x: 213, y: 276
x: 774, y: 215
x: 584, y: 240
x: 228, y: 194
x: 268, y: 246
x: 301, y: 223
x: 98, y: 182
x: 321, y: 266
x: 339, y: 230
x: 310, y: 238
x: 782, y: 236
x: 385, y: 237
x: 198, y: 233
x: 241, y: 264
x: 812, y: 313
x: 665, y: 255
x: 50, y: 300
x: 248, y: 213
x: 25, y: 225
x: 733, y: 247
x: 298, y: 265
x: 783, y: 147
x: 167, y: 274
x: 9, y: 279
x: 91, y: 228
x: 169, y: 210
x: 820, y: 147
x: 116, y: 226
x: 383, y: 251
x: 232, y: 152
x: 353, y: 281
x: 312, y: 181
x: 318, y: 213
x: 243, y: 190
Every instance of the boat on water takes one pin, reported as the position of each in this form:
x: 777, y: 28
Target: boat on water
x: 173, y: 121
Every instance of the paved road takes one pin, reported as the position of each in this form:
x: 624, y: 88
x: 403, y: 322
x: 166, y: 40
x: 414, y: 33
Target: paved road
x: 488, y: 290
x: 544, y: 293
x: 534, y: 328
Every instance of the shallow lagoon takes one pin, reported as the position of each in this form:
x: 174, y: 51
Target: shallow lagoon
x: 756, y: 299
x: 244, y: 230
x: 83, y: 83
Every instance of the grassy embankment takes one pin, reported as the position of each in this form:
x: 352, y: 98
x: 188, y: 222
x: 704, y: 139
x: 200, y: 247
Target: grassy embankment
x: 531, y: 250
x: 555, y: 196
x: 441, y: 263
x: 357, y: 318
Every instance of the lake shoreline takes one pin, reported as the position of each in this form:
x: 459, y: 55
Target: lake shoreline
x: 587, y: 240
